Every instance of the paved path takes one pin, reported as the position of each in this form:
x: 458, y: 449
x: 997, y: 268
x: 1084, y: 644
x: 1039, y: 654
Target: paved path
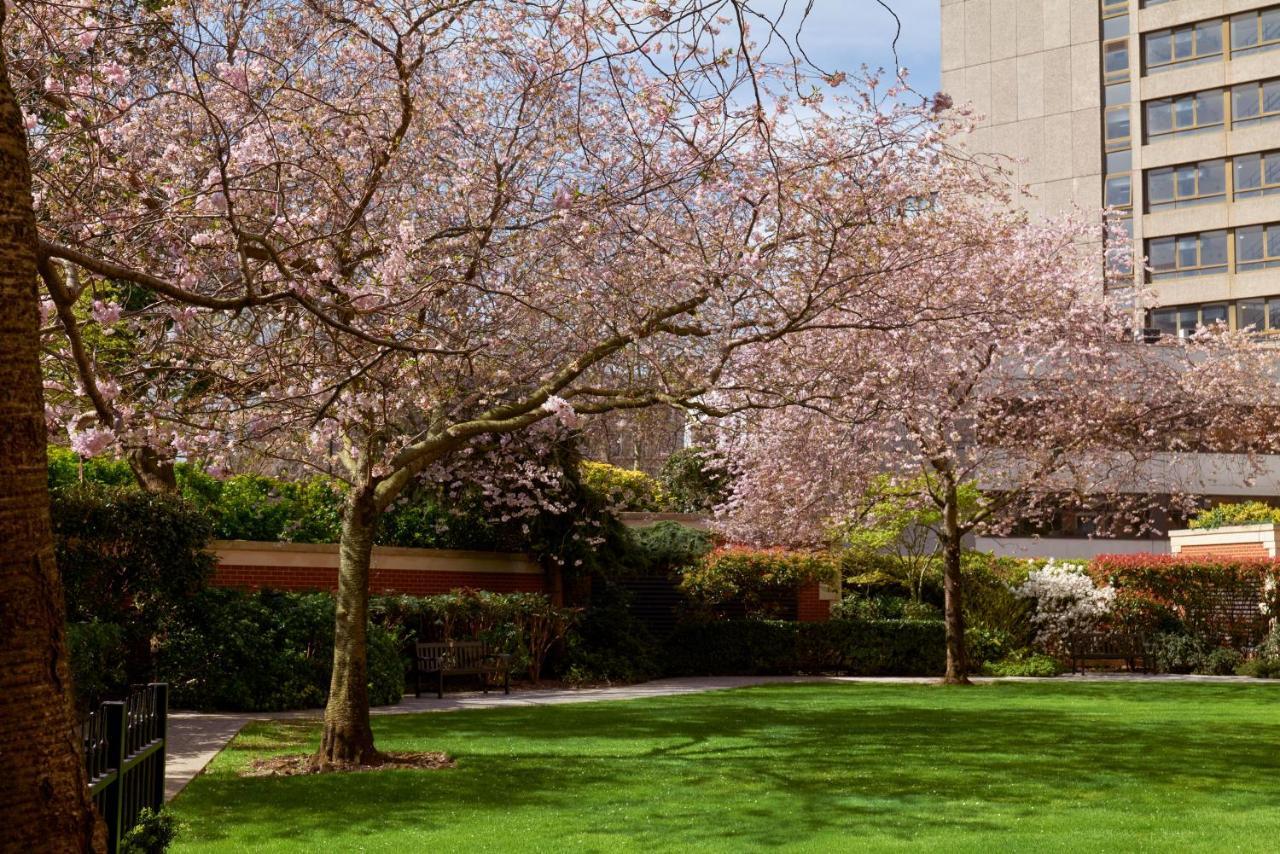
x: 196, y: 737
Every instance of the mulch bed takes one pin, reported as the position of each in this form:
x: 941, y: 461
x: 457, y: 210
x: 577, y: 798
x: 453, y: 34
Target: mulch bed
x: 299, y: 764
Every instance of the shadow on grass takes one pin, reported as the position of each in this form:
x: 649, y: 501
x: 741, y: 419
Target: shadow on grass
x: 769, y: 766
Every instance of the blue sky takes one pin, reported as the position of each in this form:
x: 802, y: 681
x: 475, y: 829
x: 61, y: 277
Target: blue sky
x: 844, y: 34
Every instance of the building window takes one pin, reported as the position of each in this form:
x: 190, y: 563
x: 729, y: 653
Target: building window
x: 1255, y: 102
x: 1257, y: 246
x: 1119, y: 192
x: 1185, y: 113
x: 1256, y: 174
x: 1114, y: 7
x: 1117, y: 93
x: 1190, y: 45
x: 1186, y: 185
x: 1255, y: 31
x: 1115, y: 27
x: 1251, y: 313
x: 1211, y: 314
x: 1115, y: 61
x: 1117, y: 127
x: 1202, y: 254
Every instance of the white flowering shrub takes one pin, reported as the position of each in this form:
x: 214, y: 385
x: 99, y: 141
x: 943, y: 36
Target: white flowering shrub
x: 1067, y: 602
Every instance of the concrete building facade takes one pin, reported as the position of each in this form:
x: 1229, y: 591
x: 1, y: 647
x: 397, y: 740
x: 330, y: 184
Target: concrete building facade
x: 1164, y: 109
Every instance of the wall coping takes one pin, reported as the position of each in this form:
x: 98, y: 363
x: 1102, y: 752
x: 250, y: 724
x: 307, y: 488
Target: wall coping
x: 325, y: 556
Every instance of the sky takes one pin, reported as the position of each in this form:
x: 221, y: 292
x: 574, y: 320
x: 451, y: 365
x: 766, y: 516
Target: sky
x: 845, y: 34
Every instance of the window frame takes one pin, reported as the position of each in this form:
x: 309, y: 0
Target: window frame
x: 1179, y: 201
x: 1267, y: 260
x: 1262, y: 116
x: 1193, y: 270
x: 1264, y: 188
x: 1195, y: 58
x: 1262, y: 44
x: 1172, y: 102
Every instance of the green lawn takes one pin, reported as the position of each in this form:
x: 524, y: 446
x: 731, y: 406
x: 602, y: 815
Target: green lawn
x: 1005, y: 767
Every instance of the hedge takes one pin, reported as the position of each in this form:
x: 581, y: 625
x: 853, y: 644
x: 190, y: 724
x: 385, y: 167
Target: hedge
x: 754, y: 577
x: 1216, y: 599
x: 770, y: 647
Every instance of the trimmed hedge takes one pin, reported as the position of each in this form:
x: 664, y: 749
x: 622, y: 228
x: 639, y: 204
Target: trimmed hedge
x: 1173, y: 593
x: 755, y: 577
x: 771, y: 647
x: 265, y: 651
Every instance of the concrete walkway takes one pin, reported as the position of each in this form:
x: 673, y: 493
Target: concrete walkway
x: 196, y: 737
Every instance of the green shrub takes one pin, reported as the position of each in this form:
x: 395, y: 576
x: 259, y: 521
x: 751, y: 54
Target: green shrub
x: 131, y: 559
x: 1024, y: 663
x: 666, y: 547
x: 67, y: 470
x: 1173, y: 652
x: 97, y: 654
x: 153, y: 833
x: 609, y: 644
x: 983, y: 644
x: 265, y: 651
x: 1222, y: 661
x: 755, y: 577
x: 989, y: 600
x: 755, y: 647
x: 1239, y: 513
x: 1265, y: 663
x: 624, y: 489
x: 695, y: 479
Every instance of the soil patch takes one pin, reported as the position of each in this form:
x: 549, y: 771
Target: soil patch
x: 299, y: 764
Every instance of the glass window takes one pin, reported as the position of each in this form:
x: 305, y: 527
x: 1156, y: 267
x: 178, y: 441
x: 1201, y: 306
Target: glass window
x: 1213, y: 250
x: 1255, y: 101
x: 1188, y: 318
x: 1257, y: 246
x: 1251, y: 313
x: 1255, y: 31
x: 1273, y: 315
x: 1160, y: 190
x: 1159, y: 117
x: 1115, y: 27
x: 1208, y: 38
x: 1188, y: 254
x: 1117, y: 127
x: 1117, y: 93
x: 1115, y: 60
x: 1166, y: 320
x: 1209, y: 108
x: 1244, y: 32
x: 1257, y: 174
x: 1119, y: 192
x: 1120, y: 161
x: 1159, y: 48
x: 1249, y: 246
x: 1248, y: 174
x: 1212, y: 314
x: 1189, y: 184
x: 1211, y: 178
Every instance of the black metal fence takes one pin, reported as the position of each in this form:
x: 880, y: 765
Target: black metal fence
x: 124, y: 747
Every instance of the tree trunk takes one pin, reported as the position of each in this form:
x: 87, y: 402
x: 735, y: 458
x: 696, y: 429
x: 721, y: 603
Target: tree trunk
x: 44, y: 799
x: 348, y: 737
x: 154, y: 473
x: 952, y: 585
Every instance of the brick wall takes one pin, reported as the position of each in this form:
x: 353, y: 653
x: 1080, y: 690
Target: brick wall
x: 410, y: 581
x: 1226, y: 550
x: 810, y: 608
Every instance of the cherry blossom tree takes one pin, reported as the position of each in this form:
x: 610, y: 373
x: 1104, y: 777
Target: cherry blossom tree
x: 1039, y: 394
x: 365, y: 237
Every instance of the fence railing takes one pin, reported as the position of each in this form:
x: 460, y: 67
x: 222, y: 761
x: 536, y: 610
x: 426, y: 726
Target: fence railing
x: 124, y: 747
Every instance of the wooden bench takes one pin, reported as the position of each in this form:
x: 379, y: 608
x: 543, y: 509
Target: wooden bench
x: 448, y: 658
x: 1109, y: 646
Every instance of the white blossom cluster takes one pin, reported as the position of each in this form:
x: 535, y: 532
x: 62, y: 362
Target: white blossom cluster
x: 1067, y: 602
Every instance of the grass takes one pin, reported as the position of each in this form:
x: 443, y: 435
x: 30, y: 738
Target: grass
x: 1002, y: 767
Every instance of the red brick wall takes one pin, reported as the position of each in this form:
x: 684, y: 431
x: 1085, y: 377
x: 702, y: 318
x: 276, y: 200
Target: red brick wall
x: 1227, y: 550
x: 809, y: 608
x: 412, y: 582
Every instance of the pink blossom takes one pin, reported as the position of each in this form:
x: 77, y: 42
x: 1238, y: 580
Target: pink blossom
x: 105, y: 313
x: 91, y: 442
